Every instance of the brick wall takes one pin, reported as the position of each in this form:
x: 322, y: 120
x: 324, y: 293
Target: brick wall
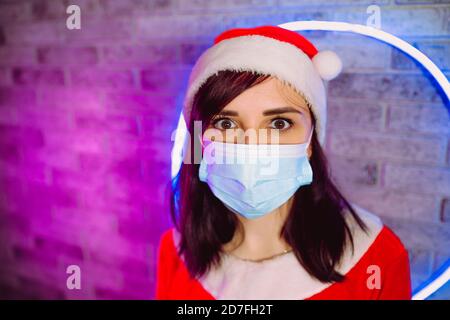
x: 86, y: 118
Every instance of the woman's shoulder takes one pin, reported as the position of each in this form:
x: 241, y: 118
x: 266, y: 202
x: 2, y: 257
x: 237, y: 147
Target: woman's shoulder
x: 167, y: 241
x: 378, y: 242
x: 166, y: 236
x: 388, y: 247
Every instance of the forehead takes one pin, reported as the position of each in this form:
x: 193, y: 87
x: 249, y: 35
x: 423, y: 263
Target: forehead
x: 270, y: 93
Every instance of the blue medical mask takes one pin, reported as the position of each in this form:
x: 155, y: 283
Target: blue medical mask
x: 254, y: 179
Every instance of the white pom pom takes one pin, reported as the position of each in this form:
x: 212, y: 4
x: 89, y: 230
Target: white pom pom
x: 328, y: 64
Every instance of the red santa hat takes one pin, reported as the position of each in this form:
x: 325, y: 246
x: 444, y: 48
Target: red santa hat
x: 272, y: 50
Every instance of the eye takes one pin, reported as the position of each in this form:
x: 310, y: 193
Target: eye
x: 280, y: 124
x: 224, y: 124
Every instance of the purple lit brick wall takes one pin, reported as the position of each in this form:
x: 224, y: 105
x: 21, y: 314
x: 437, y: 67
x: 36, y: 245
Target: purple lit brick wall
x: 86, y: 118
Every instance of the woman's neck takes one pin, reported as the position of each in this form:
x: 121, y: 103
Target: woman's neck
x: 260, y: 238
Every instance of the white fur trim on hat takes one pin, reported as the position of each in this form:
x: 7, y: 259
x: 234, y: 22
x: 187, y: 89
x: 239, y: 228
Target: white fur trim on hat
x: 263, y: 55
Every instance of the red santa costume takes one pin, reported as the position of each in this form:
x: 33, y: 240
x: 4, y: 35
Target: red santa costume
x: 377, y: 268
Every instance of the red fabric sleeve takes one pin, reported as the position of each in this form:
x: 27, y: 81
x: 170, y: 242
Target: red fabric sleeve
x: 165, y: 266
x: 173, y: 281
x: 388, y: 253
x: 396, y: 284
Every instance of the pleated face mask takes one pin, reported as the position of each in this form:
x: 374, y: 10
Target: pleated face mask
x: 254, y: 179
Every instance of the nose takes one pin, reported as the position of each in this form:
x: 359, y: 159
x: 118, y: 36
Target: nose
x: 249, y: 177
x: 254, y: 135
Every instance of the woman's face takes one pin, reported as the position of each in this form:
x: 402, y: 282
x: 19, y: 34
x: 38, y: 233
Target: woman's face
x: 269, y: 112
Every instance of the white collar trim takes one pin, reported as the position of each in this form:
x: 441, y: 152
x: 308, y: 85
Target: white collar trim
x: 283, y: 277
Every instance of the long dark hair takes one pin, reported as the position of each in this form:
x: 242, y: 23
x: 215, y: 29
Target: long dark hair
x: 315, y: 227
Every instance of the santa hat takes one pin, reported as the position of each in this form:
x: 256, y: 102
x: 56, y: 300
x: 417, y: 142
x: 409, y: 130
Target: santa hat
x: 275, y: 51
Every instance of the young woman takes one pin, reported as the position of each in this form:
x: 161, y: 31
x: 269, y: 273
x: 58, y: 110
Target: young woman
x: 273, y: 226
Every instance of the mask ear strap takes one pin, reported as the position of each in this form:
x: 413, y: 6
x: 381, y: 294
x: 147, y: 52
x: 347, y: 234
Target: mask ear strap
x: 310, y: 136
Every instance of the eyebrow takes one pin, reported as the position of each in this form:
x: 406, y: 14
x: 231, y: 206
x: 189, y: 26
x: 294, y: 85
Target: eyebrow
x: 265, y: 113
x: 281, y: 110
